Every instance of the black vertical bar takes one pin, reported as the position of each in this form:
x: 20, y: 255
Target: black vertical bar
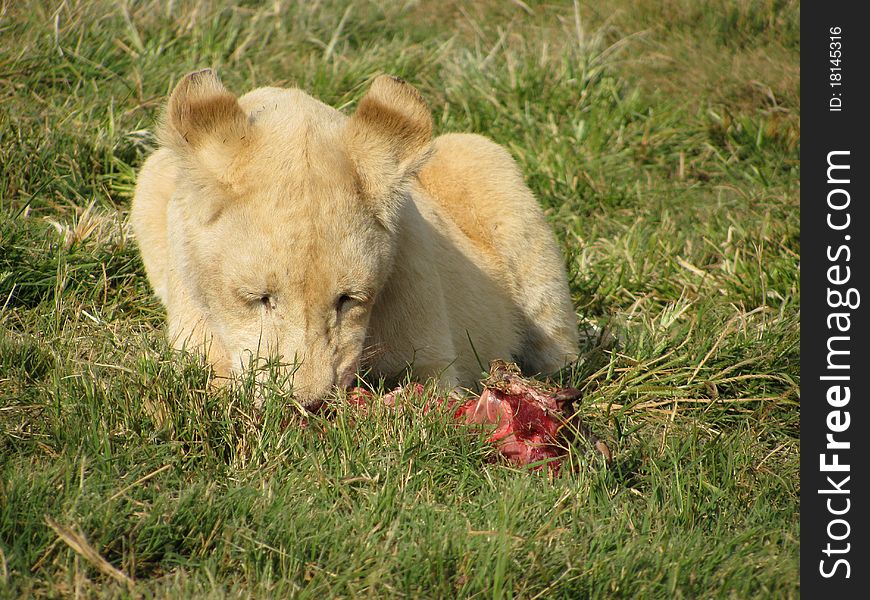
x: 835, y: 234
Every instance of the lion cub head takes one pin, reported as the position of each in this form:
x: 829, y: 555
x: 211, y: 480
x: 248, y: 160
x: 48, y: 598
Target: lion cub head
x: 284, y: 220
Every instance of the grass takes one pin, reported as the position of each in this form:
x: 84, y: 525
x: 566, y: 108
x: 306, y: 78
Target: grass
x: 662, y: 138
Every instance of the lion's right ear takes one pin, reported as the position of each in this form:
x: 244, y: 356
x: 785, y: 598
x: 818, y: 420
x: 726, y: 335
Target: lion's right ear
x: 205, y: 123
x: 389, y: 138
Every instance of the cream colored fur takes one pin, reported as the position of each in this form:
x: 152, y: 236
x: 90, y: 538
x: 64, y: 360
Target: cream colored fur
x: 273, y: 224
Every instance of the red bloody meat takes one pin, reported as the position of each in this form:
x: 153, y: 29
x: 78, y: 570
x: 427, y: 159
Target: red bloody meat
x: 530, y: 419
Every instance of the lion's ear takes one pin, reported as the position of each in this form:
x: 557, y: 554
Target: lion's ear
x: 389, y: 137
x: 204, y: 121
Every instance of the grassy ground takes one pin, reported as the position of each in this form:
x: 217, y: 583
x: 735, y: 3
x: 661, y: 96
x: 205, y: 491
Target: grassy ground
x: 662, y: 137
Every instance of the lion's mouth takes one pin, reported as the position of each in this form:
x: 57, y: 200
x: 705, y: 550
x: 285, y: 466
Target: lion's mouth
x: 347, y: 383
x: 313, y: 405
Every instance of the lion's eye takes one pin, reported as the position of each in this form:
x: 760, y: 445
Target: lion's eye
x: 268, y: 302
x: 344, y: 302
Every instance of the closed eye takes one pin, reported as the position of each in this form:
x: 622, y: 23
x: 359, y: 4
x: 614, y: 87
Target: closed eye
x: 259, y: 300
x: 346, y: 301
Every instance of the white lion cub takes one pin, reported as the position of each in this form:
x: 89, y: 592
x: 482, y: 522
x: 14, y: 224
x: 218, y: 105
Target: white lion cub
x: 274, y: 225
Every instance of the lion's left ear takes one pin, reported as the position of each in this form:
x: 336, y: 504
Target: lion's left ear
x: 389, y: 137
